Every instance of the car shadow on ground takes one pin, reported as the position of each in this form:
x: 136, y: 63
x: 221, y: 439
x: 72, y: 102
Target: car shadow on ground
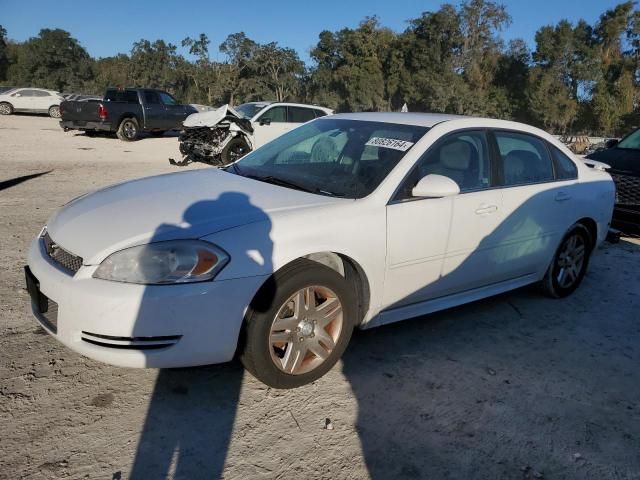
x: 484, y: 390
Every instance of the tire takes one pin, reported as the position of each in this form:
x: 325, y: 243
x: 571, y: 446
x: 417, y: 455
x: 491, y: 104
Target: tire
x: 128, y: 130
x: 6, y: 108
x: 569, y: 264
x: 54, y: 111
x: 234, y: 150
x: 279, y: 348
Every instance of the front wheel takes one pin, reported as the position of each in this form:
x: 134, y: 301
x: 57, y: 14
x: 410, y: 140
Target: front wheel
x: 128, y: 130
x: 569, y: 264
x: 234, y: 150
x: 6, y: 108
x: 299, y: 325
x: 54, y: 111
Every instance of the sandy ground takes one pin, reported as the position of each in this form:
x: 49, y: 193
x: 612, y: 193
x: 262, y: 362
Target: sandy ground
x: 514, y: 387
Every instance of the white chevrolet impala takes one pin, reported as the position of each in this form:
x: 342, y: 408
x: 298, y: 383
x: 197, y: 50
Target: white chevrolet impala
x: 353, y: 220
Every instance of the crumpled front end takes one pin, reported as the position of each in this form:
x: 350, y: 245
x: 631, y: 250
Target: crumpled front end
x: 206, y: 135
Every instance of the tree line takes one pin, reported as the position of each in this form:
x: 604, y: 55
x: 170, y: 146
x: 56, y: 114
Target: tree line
x: 579, y: 78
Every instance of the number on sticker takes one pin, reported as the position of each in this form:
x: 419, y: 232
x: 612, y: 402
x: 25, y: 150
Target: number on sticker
x: 393, y: 143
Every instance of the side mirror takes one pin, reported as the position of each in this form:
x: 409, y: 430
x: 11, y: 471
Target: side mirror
x: 265, y: 121
x: 17, y: 95
x: 611, y: 143
x: 435, y: 186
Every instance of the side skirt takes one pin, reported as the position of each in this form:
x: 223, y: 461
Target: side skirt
x: 442, y: 303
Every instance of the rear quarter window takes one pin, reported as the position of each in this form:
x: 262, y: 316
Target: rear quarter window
x: 565, y: 168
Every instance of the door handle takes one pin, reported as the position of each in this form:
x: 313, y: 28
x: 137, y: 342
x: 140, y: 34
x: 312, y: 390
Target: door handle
x: 485, y: 209
x: 562, y: 197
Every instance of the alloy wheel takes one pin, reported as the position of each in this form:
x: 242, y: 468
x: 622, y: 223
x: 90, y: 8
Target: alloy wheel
x: 5, y: 109
x: 305, y: 330
x: 570, y: 261
x: 129, y: 129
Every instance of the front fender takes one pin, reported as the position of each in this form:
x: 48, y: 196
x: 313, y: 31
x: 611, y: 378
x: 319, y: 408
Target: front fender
x: 264, y: 247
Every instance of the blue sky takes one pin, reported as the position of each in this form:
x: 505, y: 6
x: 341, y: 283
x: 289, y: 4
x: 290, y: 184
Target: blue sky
x: 106, y: 28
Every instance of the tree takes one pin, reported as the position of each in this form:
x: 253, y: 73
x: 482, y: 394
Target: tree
x: 157, y: 65
x: 4, y: 57
x: 277, y: 71
x: 53, y: 60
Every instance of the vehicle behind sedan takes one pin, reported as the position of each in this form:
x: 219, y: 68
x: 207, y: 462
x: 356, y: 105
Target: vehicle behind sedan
x: 224, y: 135
x: 351, y: 220
x: 624, y: 159
x: 126, y: 112
x: 31, y: 100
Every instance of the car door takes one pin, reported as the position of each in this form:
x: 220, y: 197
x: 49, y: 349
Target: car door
x: 270, y: 124
x: 537, y: 208
x: 22, y: 99
x: 154, y: 111
x: 424, y: 260
x: 41, y: 100
x: 175, y: 113
x: 477, y: 211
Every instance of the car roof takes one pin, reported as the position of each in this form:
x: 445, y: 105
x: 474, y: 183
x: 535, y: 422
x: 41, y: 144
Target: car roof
x: 405, y: 118
x: 305, y: 105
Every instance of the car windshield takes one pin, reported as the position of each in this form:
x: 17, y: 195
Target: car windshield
x: 335, y: 157
x: 631, y: 141
x: 248, y: 110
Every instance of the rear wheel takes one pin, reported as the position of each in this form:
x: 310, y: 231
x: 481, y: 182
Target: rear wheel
x: 128, y: 130
x: 54, y: 111
x: 569, y: 264
x: 6, y: 108
x: 299, y: 326
x: 234, y: 150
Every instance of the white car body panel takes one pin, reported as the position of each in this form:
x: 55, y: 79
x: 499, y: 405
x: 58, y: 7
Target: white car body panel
x: 418, y: 256
x: 262, y: 134
x: 22, y: 101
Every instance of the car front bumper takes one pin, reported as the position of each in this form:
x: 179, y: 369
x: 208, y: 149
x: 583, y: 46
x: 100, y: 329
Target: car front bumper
x: 158, y: 326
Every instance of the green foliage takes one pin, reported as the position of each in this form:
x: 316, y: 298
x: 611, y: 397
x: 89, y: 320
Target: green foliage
x: 4, y: 56
x: 579, y: 78
x: 52, y: 60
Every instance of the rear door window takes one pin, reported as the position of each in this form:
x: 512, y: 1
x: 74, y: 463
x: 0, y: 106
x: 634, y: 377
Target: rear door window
x: 525, y: 159
x: 151, y: 97
x: 300, y: 114
x: 127, y: 96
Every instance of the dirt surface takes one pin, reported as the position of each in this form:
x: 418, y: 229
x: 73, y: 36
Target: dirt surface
x: 515, y: 387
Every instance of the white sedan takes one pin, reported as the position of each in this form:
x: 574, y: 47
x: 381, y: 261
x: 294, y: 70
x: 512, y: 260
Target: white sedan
x: 352, y: 220
x: 31, y: 100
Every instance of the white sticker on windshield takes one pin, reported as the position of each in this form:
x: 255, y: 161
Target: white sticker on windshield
x: 393, y: 143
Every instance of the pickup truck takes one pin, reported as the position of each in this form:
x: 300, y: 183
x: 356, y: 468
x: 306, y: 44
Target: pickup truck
x: 127, y: 112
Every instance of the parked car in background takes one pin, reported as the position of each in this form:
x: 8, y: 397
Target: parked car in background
x: 31, y: 100
x: 6, y: 89
x: 126, y: 112
x: 624, y: 159
x: 351, y: 220
x: 224, y: 135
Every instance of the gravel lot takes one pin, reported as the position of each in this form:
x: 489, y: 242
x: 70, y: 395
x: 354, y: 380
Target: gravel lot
x: 514, y: 387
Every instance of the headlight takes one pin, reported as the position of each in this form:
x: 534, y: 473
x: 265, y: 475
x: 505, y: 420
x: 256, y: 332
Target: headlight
x: 176, y: 261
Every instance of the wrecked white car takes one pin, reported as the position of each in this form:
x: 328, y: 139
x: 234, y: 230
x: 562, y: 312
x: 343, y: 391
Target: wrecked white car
x: 224, y: 135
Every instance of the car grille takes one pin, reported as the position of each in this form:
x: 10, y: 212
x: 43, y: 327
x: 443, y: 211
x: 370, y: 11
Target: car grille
x: 59, y: 255
x: 627, y: 189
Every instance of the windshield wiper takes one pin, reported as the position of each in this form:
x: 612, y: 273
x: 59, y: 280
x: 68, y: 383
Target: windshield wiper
x: 281, y: 182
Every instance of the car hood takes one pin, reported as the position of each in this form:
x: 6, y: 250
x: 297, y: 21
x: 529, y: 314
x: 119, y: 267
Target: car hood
x: 210, y: 118
x: 189, y: 204
x: 620, y: 159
